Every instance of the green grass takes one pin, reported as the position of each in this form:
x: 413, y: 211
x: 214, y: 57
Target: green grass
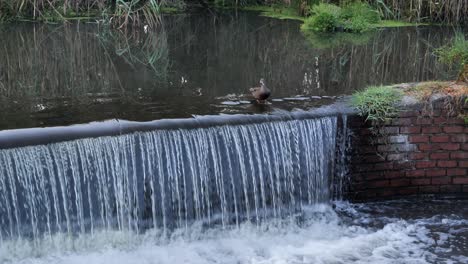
x: 396, y: 23
x: 377, y: 103
x: 279, y: 12
x: 170, y: 10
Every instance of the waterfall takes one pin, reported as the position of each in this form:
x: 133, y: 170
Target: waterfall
x: 219, y: 175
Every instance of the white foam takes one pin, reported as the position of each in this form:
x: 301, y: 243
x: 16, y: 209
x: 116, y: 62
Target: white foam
x: 323, y: 238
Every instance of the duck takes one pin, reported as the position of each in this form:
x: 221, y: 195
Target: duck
x: 261, y: 93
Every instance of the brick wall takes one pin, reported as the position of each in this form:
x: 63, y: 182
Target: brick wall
x: 421, y: 153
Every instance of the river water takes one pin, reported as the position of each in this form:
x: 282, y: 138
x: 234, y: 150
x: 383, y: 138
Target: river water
x: 196, y: 64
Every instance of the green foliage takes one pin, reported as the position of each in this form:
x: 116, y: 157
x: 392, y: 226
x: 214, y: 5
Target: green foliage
x: 455, y: 52
x: 362, y: 11
x: 325, y: 18
x: 377, y: 103
x: 355, y: 17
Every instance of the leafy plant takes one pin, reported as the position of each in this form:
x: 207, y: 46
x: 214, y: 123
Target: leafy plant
x: 360, y: 10
x: 355, y: 17
x: 377, y: 103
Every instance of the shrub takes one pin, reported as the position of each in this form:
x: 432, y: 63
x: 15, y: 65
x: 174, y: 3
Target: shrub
x: 377, y: 103
x: 327, y: 9
x: 322, y: 22
x: 357, y: 24
x: 355, y: 17
x: 360, y: 10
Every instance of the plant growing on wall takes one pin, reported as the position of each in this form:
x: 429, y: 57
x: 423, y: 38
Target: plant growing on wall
x: 377, y: 103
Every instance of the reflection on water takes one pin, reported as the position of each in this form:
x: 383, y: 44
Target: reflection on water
x: 75, y: 73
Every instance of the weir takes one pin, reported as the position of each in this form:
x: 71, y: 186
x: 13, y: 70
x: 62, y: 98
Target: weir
x: 169, y: 178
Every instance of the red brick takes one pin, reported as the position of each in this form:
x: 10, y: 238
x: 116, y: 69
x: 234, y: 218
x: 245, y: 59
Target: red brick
x: 441, y: 120
x: 404, y: 165
x: 459, y: 180
x: 394, y: 174
x: 402, y: 121
x: 431, y: 130
x: 425, y: 164
x: 450, y: 146
x: 418, y: 156
x: 440, y: 139
x: 439, y: 155
x: 419, y: 139
x: 436, y: 172
x: 465, y: 188
x: 463, y: 164
x: 461, y: 138
x: 376, y: 184
x: 441, y: 180
x: 464, y: 146
x: 453, y: 129
x: 459, y: 155
x: 446, y: 163
x: 400, y: 182
x: 409, y: 114
x: 416, y: 173
x: 372, y: 175
x: 428, y: 147
x: 410, y: 130
x: 421, y: 181
x: 456, y: 172
x: 422, y: 121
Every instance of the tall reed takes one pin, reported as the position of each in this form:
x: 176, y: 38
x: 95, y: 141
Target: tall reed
x: 121, y: 12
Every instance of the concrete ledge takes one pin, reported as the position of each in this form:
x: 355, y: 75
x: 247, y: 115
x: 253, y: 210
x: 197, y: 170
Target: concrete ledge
x: 39, y: 136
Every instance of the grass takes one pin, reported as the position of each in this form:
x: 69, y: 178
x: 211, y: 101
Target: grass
x: 397, y: 23
x: 377, y: 103
x: 278, y: 12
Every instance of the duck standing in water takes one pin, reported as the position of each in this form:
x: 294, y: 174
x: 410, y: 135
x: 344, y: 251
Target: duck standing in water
x: 261, y: 93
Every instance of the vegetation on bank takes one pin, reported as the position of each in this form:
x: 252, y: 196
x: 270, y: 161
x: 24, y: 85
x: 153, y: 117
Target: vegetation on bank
x: 456, y: 53
x: 355, y: 17
x: 379, y: 104
x: 134, y: 11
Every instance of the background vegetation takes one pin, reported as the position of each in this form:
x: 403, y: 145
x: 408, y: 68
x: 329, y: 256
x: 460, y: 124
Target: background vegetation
x: 456, y: 53
x: 131, y: 11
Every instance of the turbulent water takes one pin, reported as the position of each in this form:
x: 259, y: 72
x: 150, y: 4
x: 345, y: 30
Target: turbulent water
x: 391, y: 232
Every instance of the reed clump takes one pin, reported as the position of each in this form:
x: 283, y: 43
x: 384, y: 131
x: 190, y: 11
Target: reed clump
x: 118, y: 12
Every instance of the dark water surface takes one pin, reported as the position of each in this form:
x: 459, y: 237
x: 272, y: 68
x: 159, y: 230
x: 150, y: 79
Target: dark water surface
x: 195, y: 65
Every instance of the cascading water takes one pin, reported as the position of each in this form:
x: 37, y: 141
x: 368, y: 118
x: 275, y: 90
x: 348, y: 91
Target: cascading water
x: 224, y: 193
x: 167, y: 179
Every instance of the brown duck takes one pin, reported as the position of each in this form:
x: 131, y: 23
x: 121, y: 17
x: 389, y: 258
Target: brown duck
x: 260, y: 93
